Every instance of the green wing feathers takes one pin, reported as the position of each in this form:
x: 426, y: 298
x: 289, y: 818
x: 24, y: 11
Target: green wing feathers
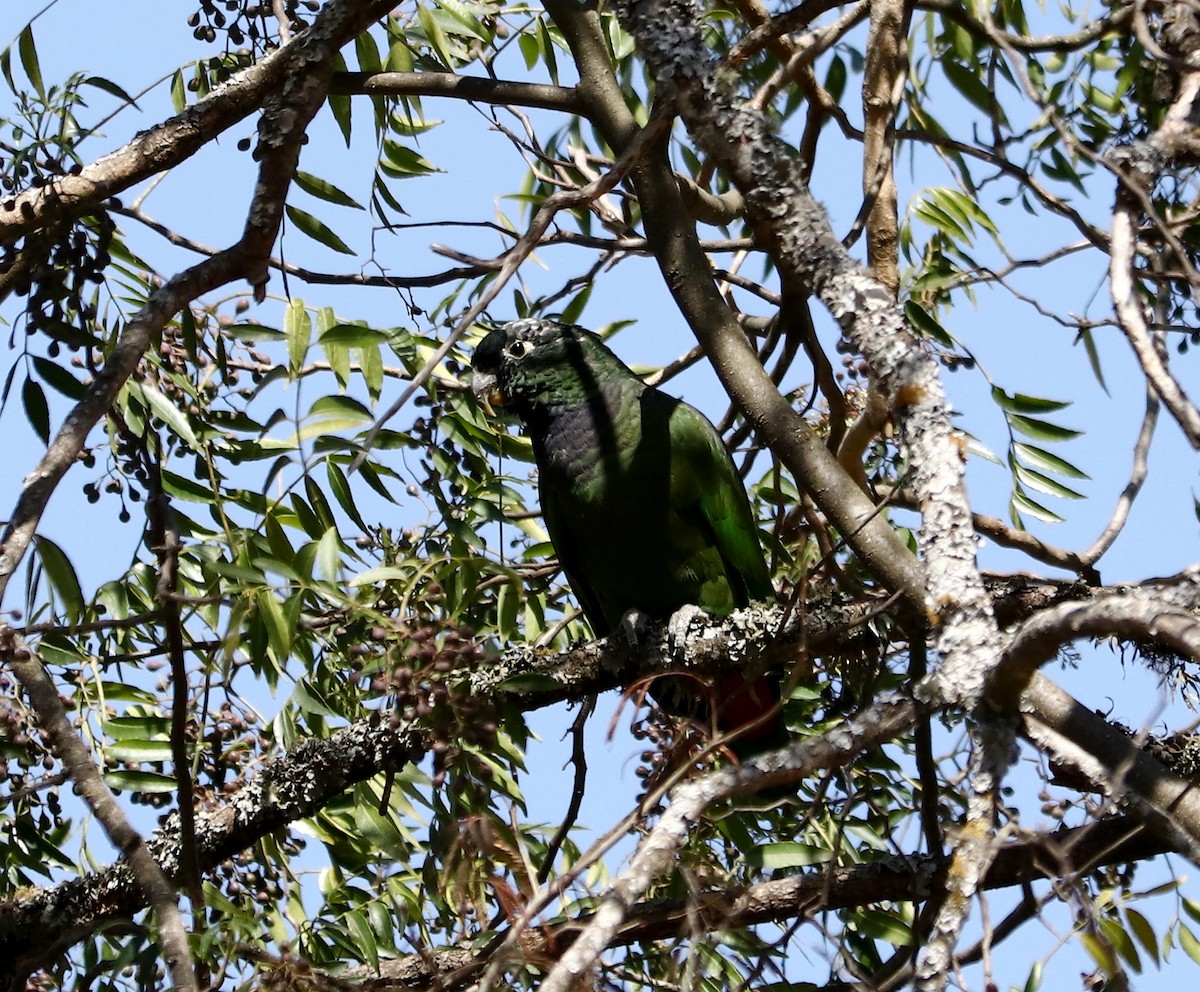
x: 703, y: 476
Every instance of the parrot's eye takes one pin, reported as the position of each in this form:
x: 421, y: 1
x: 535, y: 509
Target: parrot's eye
x: 518, y: 349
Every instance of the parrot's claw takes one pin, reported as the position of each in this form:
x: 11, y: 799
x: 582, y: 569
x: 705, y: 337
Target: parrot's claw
x: 680, y: 624
x: 635, y: 629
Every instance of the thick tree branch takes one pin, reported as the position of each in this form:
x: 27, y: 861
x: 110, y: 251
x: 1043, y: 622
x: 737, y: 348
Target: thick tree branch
x: 895, y: 879
x: 798, y: 235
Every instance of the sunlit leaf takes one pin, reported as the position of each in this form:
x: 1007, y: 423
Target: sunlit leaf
x: 317, y: 229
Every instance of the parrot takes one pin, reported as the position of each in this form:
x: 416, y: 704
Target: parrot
x: 640, y: 497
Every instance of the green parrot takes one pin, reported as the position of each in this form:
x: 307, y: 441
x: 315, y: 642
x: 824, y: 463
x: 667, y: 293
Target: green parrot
x: 640, y: 497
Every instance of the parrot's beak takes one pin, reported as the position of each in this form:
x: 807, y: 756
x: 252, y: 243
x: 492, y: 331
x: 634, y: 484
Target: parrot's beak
x: 487, y: 391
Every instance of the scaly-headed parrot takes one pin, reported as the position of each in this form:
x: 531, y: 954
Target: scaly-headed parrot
x: 640, y: 496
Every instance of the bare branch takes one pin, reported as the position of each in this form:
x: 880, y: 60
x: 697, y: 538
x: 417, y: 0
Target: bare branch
x: 477, y: 90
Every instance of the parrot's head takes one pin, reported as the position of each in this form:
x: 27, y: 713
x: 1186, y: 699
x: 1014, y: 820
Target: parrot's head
x: 531, y: 365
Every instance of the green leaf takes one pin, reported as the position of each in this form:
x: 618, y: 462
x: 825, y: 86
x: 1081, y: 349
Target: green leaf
x: 508, y: 601
x: 297, y: 328
x: 1089, y: 346
x: 317, y: 230
x: 352, y: 336
x: 178, y: 91
x: 29, y: 59
x: 111, y: 88
x: 530, y: 683
x: 1021, y: 403
x: 385, y: 573
x: 435, y: 35
x: 323, y: 190
x: 136, y: 781
x: 339, y: 103
x: 1144, y: 933
x: 400, y: 162
x: 279, y: 634
x: 138, y: 750
x: 1043, y: 459
x: 1189, y: 943
x: 1043, y: 483
x: 921, y: 321
x: 367, y: 52
x: 170, y: 414
x: 359, y: 925
x: 329, y: 555
x: 1122, y: 943
x: 342, y: 493
x: 58, y: 378
x: 787, y: 854
x: 370, y: 362
x: 33, y: 398
x: 61, y: 573
x: 1023, y: 504
x: 1041, y: 430
x: 969, y: 82
x: 884, y: 926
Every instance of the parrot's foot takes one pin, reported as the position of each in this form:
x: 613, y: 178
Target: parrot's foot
x: 680, y: 624
x: 635, y: 628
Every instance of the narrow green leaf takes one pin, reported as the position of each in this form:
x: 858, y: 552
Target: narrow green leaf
x: 317, y: 230
x: 508, y: 601
x: 969, y: 82
x: 367, y: 52
x: 924, y: 324
x: 1043, y: 459
x: 58, y: 378
x: 342, y: 493
x: 138, y: 750
x: 341, y: 407
x: 33, y: 398
x: 322, y: 190
x: 352, y: 336
x: 435, y: 35
x: 1024, y: 504
x: 385, y: 573
x: 1022, y: 403
x: 1043, y: 483
x: 29, y: 59
x: 111, y: 88
x: 339, y: 103
x: 61, y: 573
x: 178, y: 91
x: 1122, y: 943
x: 884, y: 926
x: 400, y: 162
x: 1089, y: 346
x: 279, y: 636
x: 787, y: 854
x: 297, y: 328
x: 329, y: 555
x: 1041, y: 430
x: 1144, y: 933
x: 135, y: 781
x: 170, y: 414
x: 1189, y: 943
x: 370, y: 362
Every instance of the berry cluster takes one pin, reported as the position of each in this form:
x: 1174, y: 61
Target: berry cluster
x: 424, y: 690
x: 246, y: 23
x: 56, y: 270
